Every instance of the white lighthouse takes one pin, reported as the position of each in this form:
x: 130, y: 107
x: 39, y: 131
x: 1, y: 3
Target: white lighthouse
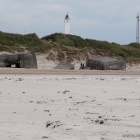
x: 67, y: 24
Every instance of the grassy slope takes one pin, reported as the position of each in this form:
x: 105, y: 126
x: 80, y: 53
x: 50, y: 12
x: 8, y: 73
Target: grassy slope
x: 131, y: 51
x: 16, y: 42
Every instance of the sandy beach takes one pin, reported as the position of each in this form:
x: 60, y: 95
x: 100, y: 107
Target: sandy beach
x: 69, y: 107
x: 50, y: 104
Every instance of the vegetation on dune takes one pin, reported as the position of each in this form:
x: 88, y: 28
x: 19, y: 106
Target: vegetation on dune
x: 71, y: 43
x: 124, y: 51
x: 76, y: 43
x: 16, y: 42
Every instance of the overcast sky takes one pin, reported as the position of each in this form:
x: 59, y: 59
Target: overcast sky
x: 109, y: 20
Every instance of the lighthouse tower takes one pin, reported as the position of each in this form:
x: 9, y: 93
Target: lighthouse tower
x: 67, y: 24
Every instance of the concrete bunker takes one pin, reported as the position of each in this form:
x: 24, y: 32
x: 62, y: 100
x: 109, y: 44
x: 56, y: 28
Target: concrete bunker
x: 65, y: 65
x: 19, y: 60
x: 105, y: 63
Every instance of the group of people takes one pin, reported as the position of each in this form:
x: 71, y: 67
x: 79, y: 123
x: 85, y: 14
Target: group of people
x: 82, y: 66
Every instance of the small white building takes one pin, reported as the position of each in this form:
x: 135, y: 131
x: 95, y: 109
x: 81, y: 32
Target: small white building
x: 67, y: 24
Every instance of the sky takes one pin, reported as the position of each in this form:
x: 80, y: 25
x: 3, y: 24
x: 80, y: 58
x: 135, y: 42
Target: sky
x: 106, y: 20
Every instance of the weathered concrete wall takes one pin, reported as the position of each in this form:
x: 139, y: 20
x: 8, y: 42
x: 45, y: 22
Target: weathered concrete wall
x: 64, y: 65
x: 20, y: 60
x: 106, y: 63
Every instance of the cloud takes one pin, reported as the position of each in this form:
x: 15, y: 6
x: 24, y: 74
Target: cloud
x: 90, y: 19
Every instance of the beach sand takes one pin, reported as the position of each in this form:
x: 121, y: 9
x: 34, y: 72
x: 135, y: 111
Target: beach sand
x: 43, y: 103
x: 69, y: 107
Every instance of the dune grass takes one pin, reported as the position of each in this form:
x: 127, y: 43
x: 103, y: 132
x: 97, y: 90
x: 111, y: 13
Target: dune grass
x: 76, y: 43
x: 16, y: 42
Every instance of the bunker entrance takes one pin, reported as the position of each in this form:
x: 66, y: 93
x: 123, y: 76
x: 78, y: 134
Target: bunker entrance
x: 17, y: 65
